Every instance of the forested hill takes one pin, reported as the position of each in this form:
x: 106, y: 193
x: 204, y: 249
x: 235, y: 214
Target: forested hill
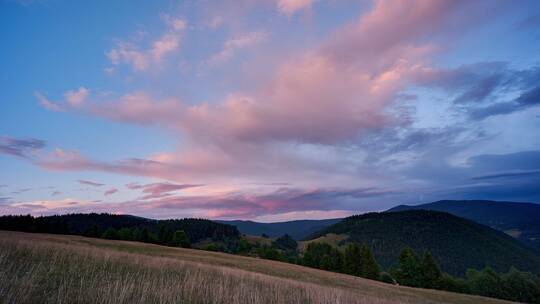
x: 520, y: 220
x: 456, y: 243
x: 96, y: 225
x: 298, y: 230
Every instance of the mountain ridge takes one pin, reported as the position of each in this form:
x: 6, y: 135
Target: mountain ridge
x: 519, y: 219
x: 297, y: 229
x: 456, y: 243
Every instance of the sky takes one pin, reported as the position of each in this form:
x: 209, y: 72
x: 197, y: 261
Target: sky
x: 266, y: 110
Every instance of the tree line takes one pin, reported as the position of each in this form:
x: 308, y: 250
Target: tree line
x: 180, y: 233
x: 411, y: 269
x: 423, y: 272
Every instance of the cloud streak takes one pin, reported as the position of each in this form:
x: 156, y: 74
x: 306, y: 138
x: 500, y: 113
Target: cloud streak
x: 90, y: 183
x: 23, y: 148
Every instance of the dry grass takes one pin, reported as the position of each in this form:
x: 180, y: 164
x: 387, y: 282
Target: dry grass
x: 330, y: 238
x: 252, y: 239
x: 39, y: 268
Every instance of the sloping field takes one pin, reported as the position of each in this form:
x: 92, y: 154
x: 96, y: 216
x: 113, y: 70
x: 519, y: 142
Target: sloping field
x: 41, y: 268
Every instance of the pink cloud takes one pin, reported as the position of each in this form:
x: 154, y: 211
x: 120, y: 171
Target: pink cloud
x: 127, y: 53
x: 61, y: 160
x: 268, y: 205
x: 327, y: 95
x: 278, y: 202
x: 324, y: 97
x: 289, y: 7
x: 77, y: 98
x: 141, y: 59
x: 136, y: 107
x: 47, y: 104
x: 235, y: 44
x: 158, y: 190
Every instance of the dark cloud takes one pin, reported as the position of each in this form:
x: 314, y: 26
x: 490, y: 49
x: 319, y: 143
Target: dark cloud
x: 525, y: 160
x: 513, y: 176
x: 464, y: 78
x: 21, y: 191
x: 5, y: 200
x: 481, y: 90
x: 530, y: 98
x: 531, y: 22
x: 110, y: 191
x: 331, y: 194
x: 90, y: 183
x: 525, y: 100
x: 508, y: 175
x: 20, y: 147
x: 56, y: 193
x: 525, y: 189
x: 390, y: 142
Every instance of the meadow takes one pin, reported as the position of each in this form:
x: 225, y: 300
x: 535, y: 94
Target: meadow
x: 43, y: 268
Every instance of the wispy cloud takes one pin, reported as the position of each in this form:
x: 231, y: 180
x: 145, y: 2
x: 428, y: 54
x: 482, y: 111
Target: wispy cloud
x: 23, y: 148
x: 90, y: 183
x: 234, y: 45
x: 110, y: 192
x: 289, y: 7
x: 157, y: 190
x: 142, y: 59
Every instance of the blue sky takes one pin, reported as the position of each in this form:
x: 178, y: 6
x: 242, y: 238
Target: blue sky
x: 267, y: 110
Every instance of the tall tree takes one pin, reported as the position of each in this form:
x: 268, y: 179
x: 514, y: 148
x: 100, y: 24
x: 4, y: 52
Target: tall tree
x: 351, y: 260
x: 110, y: 234
x: 409, y: 271
x: 430, y: 272
x: 369, y: 267
x: 181, y: 239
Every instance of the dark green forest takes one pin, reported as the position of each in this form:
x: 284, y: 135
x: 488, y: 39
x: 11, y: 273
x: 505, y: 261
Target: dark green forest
x: 180, y: 232
x: 523, y: 218
x: 424, y: 272
x: 456, y: 243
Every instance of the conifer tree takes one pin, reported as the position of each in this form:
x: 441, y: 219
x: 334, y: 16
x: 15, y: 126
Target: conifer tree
x: 351, y: 260
x: 181, y: 239
x: 369, y: 267
x: 430, y: 272
x: 110, y: 234
x: 409, y: 271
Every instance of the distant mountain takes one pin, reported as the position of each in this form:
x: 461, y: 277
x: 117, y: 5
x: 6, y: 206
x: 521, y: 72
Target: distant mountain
x: 296, y: 229
x: 520, y: 220
x: 456, y: 243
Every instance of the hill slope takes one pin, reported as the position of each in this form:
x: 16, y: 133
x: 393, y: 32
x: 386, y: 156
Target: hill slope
x: 296, y: 229
x: 520, y: 220
x: 50, y: 268
x: 456, y: 243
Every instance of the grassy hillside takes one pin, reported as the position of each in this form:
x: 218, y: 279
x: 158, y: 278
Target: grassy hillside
x: 456, y: 243
x: 520, y: 220
x: 41, y: 268
x: 331, y: 239
x: 296, y: 229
